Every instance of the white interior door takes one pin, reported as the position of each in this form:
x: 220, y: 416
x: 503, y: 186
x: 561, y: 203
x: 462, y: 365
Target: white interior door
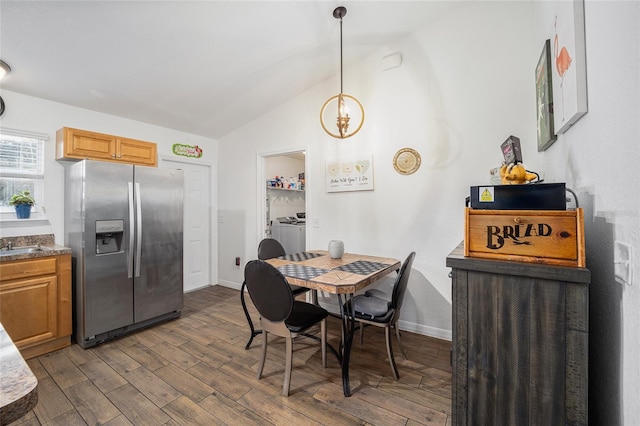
x: 197, y: 223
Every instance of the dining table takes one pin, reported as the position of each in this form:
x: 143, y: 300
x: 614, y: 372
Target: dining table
x: 344, y: 276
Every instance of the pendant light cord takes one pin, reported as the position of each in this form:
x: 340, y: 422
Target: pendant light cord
x: 341, y: 91
x: 343, y: 119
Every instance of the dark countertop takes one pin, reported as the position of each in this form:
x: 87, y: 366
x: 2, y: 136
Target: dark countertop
x: 45, y: 241
x: 18, y: 387
x: 53, y: 250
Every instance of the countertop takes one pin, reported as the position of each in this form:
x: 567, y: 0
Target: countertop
x: 52, y: 250
x: 45, y: 241
x: 18, y: 387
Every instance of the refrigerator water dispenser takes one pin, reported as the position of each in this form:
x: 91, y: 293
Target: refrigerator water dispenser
x: 109, y: 235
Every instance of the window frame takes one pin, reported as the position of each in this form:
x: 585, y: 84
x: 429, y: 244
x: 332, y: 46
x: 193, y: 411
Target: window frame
x: 37, y: 178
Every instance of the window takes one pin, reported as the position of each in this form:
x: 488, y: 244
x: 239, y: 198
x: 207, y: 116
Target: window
x: 21, y: 165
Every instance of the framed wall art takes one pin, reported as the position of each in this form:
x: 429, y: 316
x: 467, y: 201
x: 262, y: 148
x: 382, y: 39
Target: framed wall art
x: 349, y: 174
x: 569, y: 72
x: 544, y: 99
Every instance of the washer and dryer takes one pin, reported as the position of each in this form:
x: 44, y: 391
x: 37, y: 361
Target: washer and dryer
x: 290, y: 232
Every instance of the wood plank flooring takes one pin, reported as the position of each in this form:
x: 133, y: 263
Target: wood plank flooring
x: 195, y: 371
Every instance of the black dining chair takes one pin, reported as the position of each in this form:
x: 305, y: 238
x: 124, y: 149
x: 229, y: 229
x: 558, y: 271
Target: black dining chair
x: 371, y: 309
x: 267, y: 249
x: 281, y: 314
x: 270, y: 248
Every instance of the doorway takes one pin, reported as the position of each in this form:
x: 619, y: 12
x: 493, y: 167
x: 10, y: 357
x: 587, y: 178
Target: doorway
x: 282, y: 188
x: 197, y: 233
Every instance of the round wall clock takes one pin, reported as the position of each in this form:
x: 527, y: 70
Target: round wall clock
x: 406, y: 161
x: 1, y: 106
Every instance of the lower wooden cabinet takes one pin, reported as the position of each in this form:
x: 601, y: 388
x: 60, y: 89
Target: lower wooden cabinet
x: 520, y: 342
x: 35, y: 303
x: 76, y: 144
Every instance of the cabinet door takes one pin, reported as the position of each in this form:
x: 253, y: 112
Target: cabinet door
x: 83, y: 144
x: 29, y: 310
x: 136, y: 152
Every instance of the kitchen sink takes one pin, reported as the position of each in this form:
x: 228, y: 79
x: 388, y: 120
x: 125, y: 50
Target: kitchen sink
x: 23, y: 250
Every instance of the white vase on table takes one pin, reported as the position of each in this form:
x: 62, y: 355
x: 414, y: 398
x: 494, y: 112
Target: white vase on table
x: 336, y: 249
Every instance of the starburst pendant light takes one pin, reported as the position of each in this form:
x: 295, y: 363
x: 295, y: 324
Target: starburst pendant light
x: 342, y: 102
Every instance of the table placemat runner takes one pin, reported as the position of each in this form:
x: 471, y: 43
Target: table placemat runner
x: 300, y: 271
x: 299, y: 257
x: 362, y: 267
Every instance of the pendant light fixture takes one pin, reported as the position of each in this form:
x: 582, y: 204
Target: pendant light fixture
x: 342, y: 103
x: 4, y: 68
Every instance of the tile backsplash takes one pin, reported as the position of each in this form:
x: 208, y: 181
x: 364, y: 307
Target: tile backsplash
x: 29, y: 240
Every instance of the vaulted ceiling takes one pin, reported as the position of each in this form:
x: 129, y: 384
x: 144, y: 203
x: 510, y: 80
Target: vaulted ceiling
x: 203, y: 67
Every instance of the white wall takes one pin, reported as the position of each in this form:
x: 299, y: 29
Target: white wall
x: 231, y: 244
x: 42, y: 116
x: 599, y: 157
x: 283, y: 166
x: 455, y: 99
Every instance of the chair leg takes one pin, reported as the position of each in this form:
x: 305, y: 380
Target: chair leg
x: 404, y: 354
x: 264, y: 354
x: 323, y: 341
x: 287, y: 367
x: 254, y: 332
x: 361, y: 332
x: 387, y: 335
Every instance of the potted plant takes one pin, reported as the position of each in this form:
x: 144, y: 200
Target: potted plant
x: 22, y: 202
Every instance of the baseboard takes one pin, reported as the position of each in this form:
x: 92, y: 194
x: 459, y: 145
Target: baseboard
x: 198, y: 288
x: 230, y: 284
x: 437, y: 333
x: 425, y: 330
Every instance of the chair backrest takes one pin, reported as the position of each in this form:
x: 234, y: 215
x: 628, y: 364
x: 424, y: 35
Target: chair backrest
x: 269, y: 290
x: 400, y: 286
x: 270, y: 248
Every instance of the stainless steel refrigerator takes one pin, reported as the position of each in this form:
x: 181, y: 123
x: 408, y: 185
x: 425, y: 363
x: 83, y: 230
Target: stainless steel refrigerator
x: 124, y: 226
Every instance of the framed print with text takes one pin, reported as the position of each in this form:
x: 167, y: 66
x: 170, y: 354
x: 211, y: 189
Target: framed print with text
x: 349, y: 174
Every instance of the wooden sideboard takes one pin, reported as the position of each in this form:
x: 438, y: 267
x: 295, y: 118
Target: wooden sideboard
x: 520, y: 342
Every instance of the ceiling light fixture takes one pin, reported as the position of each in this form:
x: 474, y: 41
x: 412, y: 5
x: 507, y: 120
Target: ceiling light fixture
x: 342, y: 100
x: 4, y: 68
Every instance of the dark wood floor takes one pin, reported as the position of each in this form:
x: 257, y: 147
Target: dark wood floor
x: 195, y: 370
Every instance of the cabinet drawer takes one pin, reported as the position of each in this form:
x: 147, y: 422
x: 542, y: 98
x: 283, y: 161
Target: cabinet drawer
x: 27, y: 268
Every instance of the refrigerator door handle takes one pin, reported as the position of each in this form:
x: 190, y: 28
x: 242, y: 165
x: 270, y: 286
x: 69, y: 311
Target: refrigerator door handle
x: 131, y: 240
x: 138, y: 229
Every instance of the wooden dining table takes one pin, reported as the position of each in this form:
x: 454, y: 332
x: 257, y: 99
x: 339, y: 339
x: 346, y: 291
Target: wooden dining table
x: 317, y: 270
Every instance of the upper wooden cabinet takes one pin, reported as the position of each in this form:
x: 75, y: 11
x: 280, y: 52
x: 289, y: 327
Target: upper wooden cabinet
x: 75, y: 144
